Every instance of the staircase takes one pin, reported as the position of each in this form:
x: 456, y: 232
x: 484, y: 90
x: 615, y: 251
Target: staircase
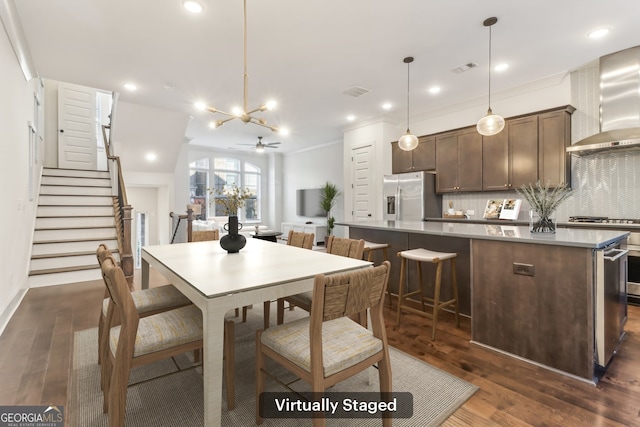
x: 75, y: 214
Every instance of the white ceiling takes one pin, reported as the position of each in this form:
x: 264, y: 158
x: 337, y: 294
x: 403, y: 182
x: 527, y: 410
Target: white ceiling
x: 305, y: 54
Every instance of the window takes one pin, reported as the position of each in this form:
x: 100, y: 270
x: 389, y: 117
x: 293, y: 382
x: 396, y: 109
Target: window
x: 198, y: 183
x: 229, y: 172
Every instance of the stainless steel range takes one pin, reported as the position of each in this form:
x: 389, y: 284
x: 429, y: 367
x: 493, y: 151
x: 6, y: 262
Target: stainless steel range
x: 633, y: 246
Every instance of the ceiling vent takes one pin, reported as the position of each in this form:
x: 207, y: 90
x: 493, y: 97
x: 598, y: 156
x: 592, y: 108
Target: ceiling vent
x: 465, y: 67
x: 356, y: 91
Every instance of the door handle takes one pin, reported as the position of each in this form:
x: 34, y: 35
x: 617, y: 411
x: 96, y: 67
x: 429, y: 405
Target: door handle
x: 621, y: 253
x: 61, y: 130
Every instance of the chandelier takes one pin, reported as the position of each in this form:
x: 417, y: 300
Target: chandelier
x: 245, y: 114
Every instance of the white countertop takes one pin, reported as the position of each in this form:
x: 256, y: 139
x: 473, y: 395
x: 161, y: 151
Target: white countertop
x: 594, y: 239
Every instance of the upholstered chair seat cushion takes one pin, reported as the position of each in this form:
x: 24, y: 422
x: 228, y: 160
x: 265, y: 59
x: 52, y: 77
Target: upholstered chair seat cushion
x: 345, y: 343
x: 164, y: 330
x: 303, y: 299
x: 154, y: 299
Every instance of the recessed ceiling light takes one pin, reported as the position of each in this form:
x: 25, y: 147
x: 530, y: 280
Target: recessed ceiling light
x: 130, y: 86
x: 151, y: 157
x: 283, y: 131
x: 387, y: 106
x: 351, y: 117
x: 193, y: 6
x: 501, y: 67
x: 434, y: 89
x: 598, y: 33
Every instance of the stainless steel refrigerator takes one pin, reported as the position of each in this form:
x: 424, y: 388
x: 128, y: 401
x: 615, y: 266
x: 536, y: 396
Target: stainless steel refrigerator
x: 411, y: 197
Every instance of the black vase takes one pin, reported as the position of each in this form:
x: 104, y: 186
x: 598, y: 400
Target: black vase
x: 233, y: 241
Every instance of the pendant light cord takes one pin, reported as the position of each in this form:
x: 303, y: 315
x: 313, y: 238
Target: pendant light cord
x: 490, y: 68
x: 246, y: 77
x: 408, y: 91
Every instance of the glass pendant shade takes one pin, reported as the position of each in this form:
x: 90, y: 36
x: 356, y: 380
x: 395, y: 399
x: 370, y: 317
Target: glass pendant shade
x: 408, y: 141
x: 491, y: 124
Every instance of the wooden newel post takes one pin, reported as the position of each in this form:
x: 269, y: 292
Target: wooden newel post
x: 189, y: 224
x: 126, y: 257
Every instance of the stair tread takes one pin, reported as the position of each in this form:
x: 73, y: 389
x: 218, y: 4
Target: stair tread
x: 64, y: 269
x: 87, y: 227
x: 44, y: 184
x: 87, y: 239
x: 77, y: 195
x: 75, y: 216
x: 77, y: 206
x: 69, y: 254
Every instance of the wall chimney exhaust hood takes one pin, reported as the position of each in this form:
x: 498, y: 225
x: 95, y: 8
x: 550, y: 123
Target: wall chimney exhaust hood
x: 619, y: 105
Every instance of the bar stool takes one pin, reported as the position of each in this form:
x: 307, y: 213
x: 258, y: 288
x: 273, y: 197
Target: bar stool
x: 423, y: 255
x: 369, y: 247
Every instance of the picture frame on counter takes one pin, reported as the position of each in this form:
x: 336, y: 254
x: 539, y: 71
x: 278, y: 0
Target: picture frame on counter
x: 510, y: 209
x: 493, y: 208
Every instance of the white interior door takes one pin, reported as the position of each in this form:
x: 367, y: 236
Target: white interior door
x: 77, y: 139
x: 363, y: 198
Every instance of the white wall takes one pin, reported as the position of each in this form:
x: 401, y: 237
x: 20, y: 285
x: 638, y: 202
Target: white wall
x: 163, y: 183
x: 312, y: 169
x: 17, y: 214
x: 377, y: 133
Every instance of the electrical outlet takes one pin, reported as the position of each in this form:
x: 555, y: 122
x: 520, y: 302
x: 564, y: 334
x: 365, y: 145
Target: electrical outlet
x: 471, y: 212
x: 524, y: 269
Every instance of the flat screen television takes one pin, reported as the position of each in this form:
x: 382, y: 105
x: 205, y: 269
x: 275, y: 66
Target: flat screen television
x: 308, y: 202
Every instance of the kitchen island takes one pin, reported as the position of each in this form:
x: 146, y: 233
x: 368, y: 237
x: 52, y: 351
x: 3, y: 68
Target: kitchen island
x: 554, y: 300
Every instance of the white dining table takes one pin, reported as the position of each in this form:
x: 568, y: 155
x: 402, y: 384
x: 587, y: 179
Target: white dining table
x: 217, y: 282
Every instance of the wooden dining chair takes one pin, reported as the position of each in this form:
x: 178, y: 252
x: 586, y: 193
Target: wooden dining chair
x: 138, y: 341
x: 205, y: 235
x: 299, y: 240
x: 328, y: 347
x: 351, y: 248
x: 147, y: 302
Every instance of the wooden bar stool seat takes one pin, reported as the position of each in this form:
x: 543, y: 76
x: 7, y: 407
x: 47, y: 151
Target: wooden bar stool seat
x: 424, y: 255
x: 369, y: 248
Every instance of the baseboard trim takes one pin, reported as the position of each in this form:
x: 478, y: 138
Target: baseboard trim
x: 10, y: 309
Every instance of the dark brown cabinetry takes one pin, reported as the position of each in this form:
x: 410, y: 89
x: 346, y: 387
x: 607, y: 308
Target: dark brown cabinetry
x: 422, y: 158
x: 554, y: 136
x: 510, y: 158
x: 530, y: 148
x: 459, y: 161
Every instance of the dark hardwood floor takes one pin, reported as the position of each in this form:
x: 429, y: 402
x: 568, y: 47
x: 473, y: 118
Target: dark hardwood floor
x: 37, y: 346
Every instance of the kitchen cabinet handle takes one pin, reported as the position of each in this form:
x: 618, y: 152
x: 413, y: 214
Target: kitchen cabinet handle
x: 621, y: 253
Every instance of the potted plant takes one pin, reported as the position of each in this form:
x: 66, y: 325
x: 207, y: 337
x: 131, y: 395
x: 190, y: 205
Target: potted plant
x: 328, y: 200
x: 543, y: 201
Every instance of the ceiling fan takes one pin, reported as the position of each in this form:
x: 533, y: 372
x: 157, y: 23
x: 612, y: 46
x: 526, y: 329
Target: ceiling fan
x: 260, y: 146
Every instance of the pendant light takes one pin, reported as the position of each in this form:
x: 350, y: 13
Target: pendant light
x: 408, y: 141
x: 491, y: 124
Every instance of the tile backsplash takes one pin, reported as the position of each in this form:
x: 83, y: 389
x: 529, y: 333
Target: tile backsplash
x: 605, y: 184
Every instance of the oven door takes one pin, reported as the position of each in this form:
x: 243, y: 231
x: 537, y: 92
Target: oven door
x: 633, y: 284
x: 611, y: 301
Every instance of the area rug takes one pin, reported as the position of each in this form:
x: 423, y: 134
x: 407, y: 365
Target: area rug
x: 157, y: 399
